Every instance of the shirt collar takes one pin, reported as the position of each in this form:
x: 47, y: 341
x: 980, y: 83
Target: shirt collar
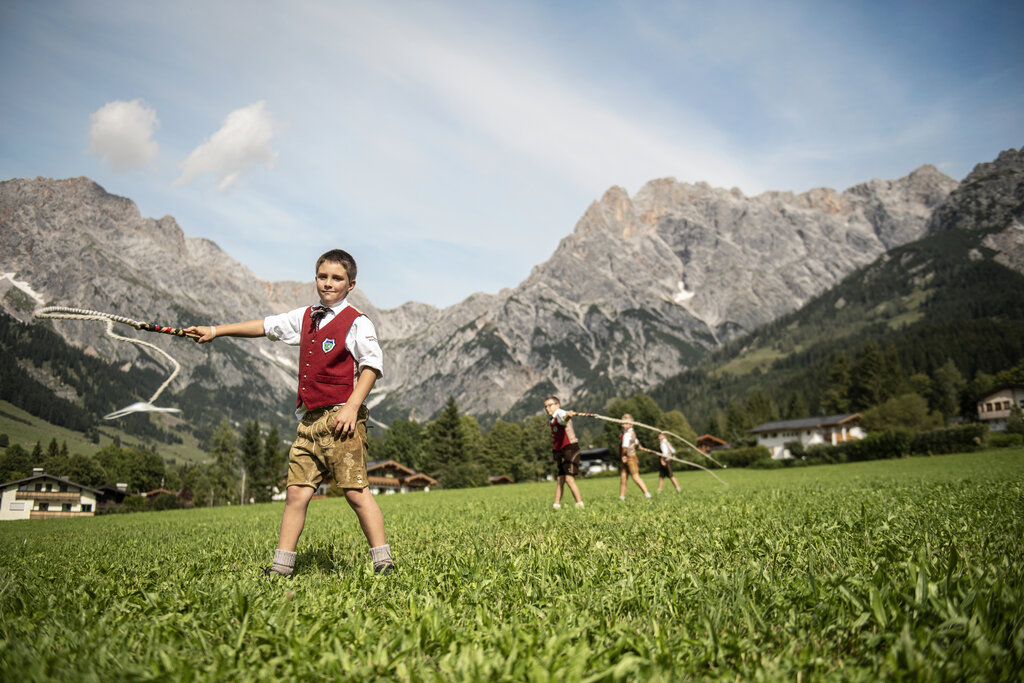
x: 336, y: 308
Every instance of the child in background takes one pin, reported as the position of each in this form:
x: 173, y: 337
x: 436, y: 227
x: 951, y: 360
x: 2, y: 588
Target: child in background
x: 664, y: 462
x: 630, y: 463
x: 565, y: 449
x: 340, y: 360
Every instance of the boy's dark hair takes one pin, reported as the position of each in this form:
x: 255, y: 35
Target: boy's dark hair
x: 553, y: 398
x: 339, y: 256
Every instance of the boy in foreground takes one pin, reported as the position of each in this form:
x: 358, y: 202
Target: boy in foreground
x: 630, y: 462
x: 339, y: 362
x: 565, y: 449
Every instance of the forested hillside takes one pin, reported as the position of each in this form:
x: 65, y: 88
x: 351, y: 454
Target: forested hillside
x: 920, y: 308
x: 939, y: 317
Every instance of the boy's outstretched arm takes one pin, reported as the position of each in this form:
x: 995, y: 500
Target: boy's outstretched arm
x: 250, y: 328
x: 345, y: 421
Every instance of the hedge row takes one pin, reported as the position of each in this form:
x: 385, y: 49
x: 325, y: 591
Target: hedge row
x: 893, y: 443
x: 742, y: 457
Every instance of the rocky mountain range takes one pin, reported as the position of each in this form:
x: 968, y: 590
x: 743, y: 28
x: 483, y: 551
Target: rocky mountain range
x: 642, y: 288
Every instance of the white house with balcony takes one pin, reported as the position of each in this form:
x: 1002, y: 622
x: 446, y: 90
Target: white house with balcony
x: 824, y: 429
x: 43, y: 496
x: 995, y: 406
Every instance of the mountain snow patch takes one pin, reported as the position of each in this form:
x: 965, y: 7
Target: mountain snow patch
x: 682, y: 295
x: 23, y: 286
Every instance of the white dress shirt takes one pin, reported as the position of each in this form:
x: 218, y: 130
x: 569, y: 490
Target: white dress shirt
x: 361, y: 340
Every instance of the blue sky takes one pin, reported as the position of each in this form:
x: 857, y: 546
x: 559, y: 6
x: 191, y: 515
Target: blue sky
x: 451, y: 145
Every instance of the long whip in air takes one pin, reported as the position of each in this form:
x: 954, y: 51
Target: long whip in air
x: 685, y: 462
x: 653, y: 429
x: 66, y: 313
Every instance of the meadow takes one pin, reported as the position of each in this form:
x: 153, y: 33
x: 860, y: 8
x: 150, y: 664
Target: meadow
x: 905, y: 569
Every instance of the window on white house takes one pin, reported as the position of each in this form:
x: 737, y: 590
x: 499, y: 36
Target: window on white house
x: 86, y: 507
x: 66, y: 507
x: 43, y: 507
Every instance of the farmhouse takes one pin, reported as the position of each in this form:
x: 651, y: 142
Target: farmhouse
x: 827, y: 429
x: 594, y: 460
x: 42, y: 496
x: 994, y: 407
x: 709, y: 442
x: 390, y: 476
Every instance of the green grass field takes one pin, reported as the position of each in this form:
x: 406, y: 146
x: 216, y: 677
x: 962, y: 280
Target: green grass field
x: 26, y: 429
x: 906, y: 569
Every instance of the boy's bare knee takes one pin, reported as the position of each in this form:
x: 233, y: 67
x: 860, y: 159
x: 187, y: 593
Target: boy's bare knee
x: 357, y: 498
x: 298, y: 495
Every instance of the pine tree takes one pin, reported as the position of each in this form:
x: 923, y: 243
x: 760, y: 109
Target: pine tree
x: 536, y: 449
x: 223, y: 470
x: 252, y: 460
x: 404, y: 444
x: 893, y: 383
x: 946, y: 388
x: 273, y: 458
x: 503, y: 449
x: 444, y: 436
x: 737, y: 423
x: 761, y: 408
x: 867, y: 386
x: 796, y: 407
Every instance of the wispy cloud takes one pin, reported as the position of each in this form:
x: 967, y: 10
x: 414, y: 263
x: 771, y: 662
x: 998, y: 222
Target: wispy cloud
x: 529, y: 108
x: 121, y: 134
x: 241, y: 143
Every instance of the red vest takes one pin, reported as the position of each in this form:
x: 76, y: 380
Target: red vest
x: 326, y: 368
x: 561, y: 435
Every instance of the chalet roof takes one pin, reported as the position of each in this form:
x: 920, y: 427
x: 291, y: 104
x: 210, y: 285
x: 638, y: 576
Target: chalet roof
x: 156, y: 492
x: 586, y: 453
x: 807, y: 422
x: 44, y: 475
x: 995, y: 390
x: 710, y: 437
x: 420, y: 476
x: 381, y: 464
x: 501, y: 479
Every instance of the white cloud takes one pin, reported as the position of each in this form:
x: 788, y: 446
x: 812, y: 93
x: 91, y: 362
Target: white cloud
x: 120, y: 132
x: 242, y: 142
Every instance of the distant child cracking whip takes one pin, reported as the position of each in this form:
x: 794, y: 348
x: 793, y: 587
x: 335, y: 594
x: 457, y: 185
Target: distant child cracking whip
x: 630, y: 462
x: 565, y: 449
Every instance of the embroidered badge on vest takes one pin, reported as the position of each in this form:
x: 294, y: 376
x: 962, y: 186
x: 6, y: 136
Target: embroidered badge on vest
x: 328, y: 345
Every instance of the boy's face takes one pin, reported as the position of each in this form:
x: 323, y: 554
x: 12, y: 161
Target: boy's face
x: 551, y: 406
x: 332, y: 283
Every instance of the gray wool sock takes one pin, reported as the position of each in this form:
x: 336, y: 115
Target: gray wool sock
x: 284, y: 562
x: 381, y: 555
